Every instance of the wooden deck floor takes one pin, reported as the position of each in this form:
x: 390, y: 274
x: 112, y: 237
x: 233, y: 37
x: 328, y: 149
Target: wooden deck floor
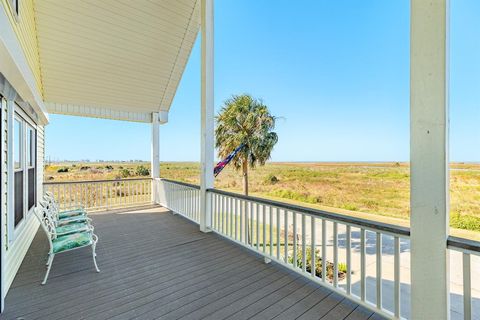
x: 159, y: 266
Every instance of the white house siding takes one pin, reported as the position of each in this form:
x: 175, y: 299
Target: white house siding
x: 17, y: 249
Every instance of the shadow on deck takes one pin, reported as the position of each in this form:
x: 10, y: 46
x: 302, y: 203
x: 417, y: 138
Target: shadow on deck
x: 159, y: 266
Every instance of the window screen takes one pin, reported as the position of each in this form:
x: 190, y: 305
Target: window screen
x: 31, y: 188
x: 18, y: 197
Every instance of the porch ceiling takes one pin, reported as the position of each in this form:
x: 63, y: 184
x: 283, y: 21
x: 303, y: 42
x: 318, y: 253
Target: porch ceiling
x: 114, y: 58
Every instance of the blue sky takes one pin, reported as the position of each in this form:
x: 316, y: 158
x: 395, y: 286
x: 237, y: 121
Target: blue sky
x: 335, y: 72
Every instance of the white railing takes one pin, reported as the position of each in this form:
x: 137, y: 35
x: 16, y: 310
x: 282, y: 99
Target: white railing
x: 181, y: 198
x: 364, y: 258
x: 468, y: 249
x: 101, y: 194
x: 302, y: 239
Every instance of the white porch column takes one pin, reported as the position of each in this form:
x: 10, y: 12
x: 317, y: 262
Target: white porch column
x: 429, y: 159
x: 207, y: 114
x: 155, y: 156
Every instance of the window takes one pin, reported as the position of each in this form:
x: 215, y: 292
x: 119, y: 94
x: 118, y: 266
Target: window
x: 24, y: 148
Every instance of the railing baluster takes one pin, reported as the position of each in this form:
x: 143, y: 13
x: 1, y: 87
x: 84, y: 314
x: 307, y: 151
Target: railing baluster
x: 379, y: 270
x: 277, y: 210
x: 247, y: 222
x: 188, y: 200
x: 182, y: 200
x: 102, y: 204
x: 231, y: 216
x: 70, y: 201
x: 294, y: 220
x: 312, y: 248
x: 74, y: 196
x: 257, y: 225
x: 251, y: 206
x: 363, y: 265
x: 304, y: 245
x: 124, y: 193
x: 130, y: 193
x: 335, y: 254
x: 214, y: 210
x: 349, y: 259
x: 222, y: 214
x: 324, y: 250
x: 219, y: 204
x: 271, y: 229
x: 227, y: 215
x: 236, y: 218
x: 220, y: 217
x: 264, y: 224
x: 285, y: 241
x: 192, y: 204
x: 397, y: 276
x: 240, y: 225
x: 467, y: 287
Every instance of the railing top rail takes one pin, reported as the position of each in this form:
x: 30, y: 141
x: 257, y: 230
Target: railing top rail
x: 377, y: 226
x: 194, y: 186
x: 95, y: 181
x: 462, y: 244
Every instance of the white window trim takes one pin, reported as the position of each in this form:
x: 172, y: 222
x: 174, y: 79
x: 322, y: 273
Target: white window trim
x: 15, y: 231
x: 17, y: 228
x: 33, y: 155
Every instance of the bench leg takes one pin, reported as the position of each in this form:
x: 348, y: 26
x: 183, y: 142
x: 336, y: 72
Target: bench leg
x: 50, y: 262
x: 94, y: 254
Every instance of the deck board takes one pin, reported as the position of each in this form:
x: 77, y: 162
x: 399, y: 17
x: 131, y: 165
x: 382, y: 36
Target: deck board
x: 155, y: 265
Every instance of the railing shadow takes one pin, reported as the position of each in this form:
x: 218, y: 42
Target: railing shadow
x: 371, y: 243
x: 456, y: 300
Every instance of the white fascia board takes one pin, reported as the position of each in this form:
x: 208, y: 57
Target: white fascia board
x: 99, y: 112
x: 14, y: 67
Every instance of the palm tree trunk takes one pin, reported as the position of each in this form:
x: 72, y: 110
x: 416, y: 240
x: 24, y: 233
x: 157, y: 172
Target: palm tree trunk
x: 245, y: 192
x: 245, y: 177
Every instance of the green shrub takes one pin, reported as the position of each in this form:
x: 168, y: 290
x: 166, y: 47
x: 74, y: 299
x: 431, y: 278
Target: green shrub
x: 289, y: 194
x: 461, y: 221
x: 62, y: 170
x: 342, y: 267
x: 108, y: 167
x: 271, y: 179
x: 83, y: 168
x: 124, y: 173
x: 350, y: 206
x: 142, y: 171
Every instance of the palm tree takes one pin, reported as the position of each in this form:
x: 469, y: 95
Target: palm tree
x: 245, y: 121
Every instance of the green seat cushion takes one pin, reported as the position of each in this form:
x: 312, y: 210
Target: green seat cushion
x: 72, y: 228
x: 72, y: 213
x: 72, y: 241
x: 76, y: 219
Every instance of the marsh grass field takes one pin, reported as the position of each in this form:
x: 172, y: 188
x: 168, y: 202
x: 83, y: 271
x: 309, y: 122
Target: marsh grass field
x: 359, y: 189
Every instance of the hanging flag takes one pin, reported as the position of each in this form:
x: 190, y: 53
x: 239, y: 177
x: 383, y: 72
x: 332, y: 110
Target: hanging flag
x: 219, y: 167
